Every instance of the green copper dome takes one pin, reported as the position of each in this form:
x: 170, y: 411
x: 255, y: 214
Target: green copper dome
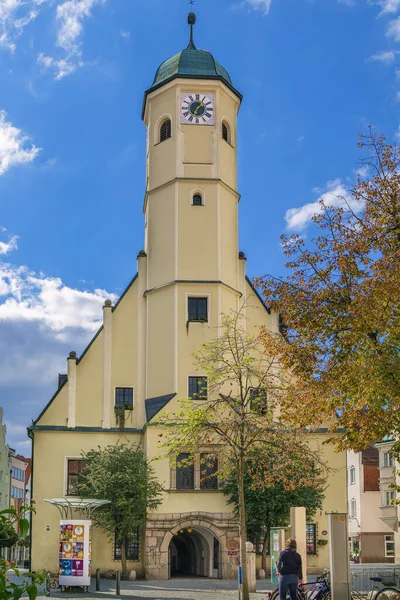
x: 191, y: 63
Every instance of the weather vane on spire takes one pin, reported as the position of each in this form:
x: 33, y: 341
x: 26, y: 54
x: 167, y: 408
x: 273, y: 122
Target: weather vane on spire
x: 191, y: 21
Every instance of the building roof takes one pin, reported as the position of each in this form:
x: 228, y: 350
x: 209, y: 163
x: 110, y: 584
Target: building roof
x: 154, y: 405
x: 190, y: 63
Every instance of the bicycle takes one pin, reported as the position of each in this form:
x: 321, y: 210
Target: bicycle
x: 312, y: 590
x: 377, y: 592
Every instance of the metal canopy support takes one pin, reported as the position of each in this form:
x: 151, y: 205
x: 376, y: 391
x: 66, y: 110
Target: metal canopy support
x: 67, y: 506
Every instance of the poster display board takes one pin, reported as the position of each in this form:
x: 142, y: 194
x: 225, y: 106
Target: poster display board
x: 75, y: 553
x: 276, y: 548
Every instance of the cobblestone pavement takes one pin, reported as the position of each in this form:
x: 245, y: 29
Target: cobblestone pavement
x: 179, y: 589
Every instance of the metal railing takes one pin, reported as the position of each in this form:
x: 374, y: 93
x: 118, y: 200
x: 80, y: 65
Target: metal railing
x: 361, y: 576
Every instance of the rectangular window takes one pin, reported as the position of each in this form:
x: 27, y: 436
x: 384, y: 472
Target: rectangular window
x: 389, y: 546
x: 75, y: 466
x: 198, y: 309
x: 132, y: 547
x: 388, y: 460
x: 388, y: 497
x: 185, y: 472
x: 353, y: 509
x: 208, y: 470
x: 258, y: 400
x: 352, y: 475
x: 13, y: 472
x: 124, y: 397
x: 311, y: 538
x: 12, y: 492
x: 198, y: 388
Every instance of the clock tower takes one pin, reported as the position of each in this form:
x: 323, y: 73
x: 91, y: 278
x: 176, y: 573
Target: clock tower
x: 191, y: 210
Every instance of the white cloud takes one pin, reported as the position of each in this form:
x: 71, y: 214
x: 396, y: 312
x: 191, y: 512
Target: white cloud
x: 335, y: 194
x: 362, y: 172
x: 70, y: 16
x: 8, y: 246
x: 29, y: 297
x: 390, y: 6
x: 394, y: 29
x: 386, y: 56
x: 15, y: 15
x: 263, y: 5
x: 13, y: 146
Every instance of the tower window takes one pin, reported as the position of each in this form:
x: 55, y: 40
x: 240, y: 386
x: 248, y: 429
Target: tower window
x: 165, y: 130
x: 124, y: 397
x: 226, y: 132
x: 197, y: 200
x: 198, y: 309
x: 198, y: 388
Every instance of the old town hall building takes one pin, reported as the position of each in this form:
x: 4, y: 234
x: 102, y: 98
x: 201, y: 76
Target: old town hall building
x: 189, y: 273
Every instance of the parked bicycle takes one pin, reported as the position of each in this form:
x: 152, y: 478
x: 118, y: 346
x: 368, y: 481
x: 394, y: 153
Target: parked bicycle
x: 320, y: 590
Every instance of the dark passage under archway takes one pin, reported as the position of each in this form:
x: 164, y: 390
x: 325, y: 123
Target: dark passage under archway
x: 193, y: 553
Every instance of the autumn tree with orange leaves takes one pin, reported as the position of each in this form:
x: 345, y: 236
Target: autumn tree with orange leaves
x: 340, y: 310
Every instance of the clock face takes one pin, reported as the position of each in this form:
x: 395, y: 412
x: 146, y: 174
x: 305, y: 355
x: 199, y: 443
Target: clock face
x: 197, y: 109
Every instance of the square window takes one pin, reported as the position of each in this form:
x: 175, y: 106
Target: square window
x: 75, y: 466
x: 184, y: 472
x: 198, y: 309
x: 258, y: 400
x: 311, y: 538
x: 198, y: 388
x: 132, y: 547
x: 124, y: 397
x: 389, y: 496
x: 388, y: 460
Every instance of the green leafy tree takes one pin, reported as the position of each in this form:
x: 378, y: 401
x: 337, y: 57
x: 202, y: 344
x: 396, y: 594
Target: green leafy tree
x: 269, y: 506
x: 122, y: 475
x: 235, y: 415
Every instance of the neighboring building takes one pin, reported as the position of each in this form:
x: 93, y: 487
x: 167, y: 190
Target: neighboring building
x: 4, y: 466
x: 19, y: 465
x: 390, y: 513
x: 371, y: 540
x: 141, y: 359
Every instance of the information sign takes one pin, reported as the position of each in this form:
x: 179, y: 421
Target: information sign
x: 75, y: 553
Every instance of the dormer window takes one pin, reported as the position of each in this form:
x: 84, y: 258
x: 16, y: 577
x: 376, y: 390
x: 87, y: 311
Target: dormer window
x: 165, y: 130
x: 226, y: 132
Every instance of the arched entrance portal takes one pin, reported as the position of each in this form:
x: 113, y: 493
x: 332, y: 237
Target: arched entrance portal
x: 194, y: 552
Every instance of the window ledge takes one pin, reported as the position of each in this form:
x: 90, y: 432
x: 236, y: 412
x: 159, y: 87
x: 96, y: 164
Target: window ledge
x: 197, y: 320
x: 166, y: 140
x: 194, y: 491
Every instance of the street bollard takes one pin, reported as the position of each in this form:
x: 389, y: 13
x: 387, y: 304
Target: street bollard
x: 118, y: 584
x: 97, y: 580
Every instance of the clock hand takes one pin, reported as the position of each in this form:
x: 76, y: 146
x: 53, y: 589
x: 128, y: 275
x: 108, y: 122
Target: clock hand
x: 201, y: 105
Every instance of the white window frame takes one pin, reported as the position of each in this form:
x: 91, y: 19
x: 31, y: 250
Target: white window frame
x: 389, y: 539
x: 352, y: 475
x: 388, y: 496
x: 388, y: 459
x: 157, y: 128
x: 353, y: 508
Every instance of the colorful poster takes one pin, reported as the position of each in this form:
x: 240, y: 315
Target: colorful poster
x: 75, y: 553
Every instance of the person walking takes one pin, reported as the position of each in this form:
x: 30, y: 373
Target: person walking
x: 290, y: 570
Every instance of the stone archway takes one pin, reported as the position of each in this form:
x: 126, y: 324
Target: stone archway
x: 203, y: 551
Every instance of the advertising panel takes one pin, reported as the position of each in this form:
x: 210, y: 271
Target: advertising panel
x: 75, y: 553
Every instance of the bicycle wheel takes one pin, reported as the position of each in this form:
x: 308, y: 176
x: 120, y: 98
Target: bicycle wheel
x: 275, y: 595
x: 388, y: 594
x: 327, y: 596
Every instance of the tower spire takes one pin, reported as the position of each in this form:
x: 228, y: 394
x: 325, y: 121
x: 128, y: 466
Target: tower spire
x: 191, y: 21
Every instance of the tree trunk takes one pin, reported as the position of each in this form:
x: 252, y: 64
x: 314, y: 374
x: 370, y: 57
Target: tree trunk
x: 123, y: 558
x: 265, y: 551
x: 242, y: 529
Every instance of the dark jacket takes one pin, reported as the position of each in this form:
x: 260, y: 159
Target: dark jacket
x: 289, y: 563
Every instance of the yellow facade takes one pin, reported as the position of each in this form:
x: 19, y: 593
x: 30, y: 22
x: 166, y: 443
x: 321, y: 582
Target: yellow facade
x: 147, y: 343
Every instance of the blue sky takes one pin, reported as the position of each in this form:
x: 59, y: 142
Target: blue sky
x: 314, y: 75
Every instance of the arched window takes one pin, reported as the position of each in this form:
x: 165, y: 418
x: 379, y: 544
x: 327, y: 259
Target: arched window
x: 197, y: 200
x: 165, y: 130
x: 226, y: 132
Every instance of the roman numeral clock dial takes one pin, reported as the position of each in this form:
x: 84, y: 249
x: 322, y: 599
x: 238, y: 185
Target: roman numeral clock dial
x: 197, y: 109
